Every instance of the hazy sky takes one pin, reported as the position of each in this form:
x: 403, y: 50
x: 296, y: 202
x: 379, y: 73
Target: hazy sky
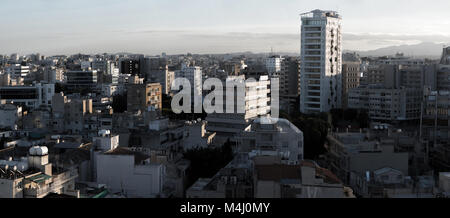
x: 209, y: 26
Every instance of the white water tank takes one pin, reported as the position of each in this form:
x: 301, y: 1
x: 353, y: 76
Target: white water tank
x: 38, y: 151
x: 42, y: 151
x: 104, y: 132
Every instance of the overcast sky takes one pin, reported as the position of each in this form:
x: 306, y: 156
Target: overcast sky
x: 209, y: 26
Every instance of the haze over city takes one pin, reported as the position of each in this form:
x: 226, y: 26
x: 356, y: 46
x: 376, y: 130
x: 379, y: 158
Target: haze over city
x: 203, y: 26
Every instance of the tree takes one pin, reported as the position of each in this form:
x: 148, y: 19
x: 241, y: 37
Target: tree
x: 119, y: 103
x: 206, y: 162
x: 315, y: 131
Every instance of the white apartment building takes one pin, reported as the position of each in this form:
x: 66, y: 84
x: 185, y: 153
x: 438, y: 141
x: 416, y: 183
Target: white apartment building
x: 228, y: 125
x: 17, y: 70
x: 321, y: 59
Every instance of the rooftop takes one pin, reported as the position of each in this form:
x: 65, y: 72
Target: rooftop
x: 320, y: 14
x: 138, y: 157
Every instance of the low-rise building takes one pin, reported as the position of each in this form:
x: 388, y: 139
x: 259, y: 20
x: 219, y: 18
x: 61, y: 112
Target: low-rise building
x: 306, y: 180
x: 9, y: 116
x: 278, y: 136
x: 35, y: 177
x: 130, y: 173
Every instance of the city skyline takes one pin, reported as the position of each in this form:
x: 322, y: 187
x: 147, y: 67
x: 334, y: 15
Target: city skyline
x: 151, y: 27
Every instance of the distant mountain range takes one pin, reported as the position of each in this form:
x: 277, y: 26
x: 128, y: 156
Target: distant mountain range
x: 422, y: 50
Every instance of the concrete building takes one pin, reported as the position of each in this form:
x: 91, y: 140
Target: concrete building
x: 388, y: 182
x: 351, y: 74
x: 130, y: 173
x: 9, y: 116
x: 396, y: 76
x: 277, y: 137
x: 165, y: 77
x: 53, y: 75
x: 197, y: 137
x: 306, y: 180
x: 81, y: 79
x: 444, y: 183
x: 273, y: 65
x: 194, y: 75
x: 18, y: 70
x: 31, y: 96
x: 130, y: 66
x: 34, y: 176
x: 228, y: 125
x: 144, y: 96
x: 435, y: 128
x: 75, y: 110
x: 351, y: 155
x: 233, y: 181
x: 321, y: 58
x: 387, y: 104
x: 7, y: 80
x: 289, y: 84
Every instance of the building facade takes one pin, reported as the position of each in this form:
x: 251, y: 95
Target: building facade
x: 321, y: 59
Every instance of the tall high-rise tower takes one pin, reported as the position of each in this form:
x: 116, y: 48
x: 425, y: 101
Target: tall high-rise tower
x: 321, y: 61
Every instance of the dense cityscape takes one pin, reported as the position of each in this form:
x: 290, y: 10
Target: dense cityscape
x: 324, y: 123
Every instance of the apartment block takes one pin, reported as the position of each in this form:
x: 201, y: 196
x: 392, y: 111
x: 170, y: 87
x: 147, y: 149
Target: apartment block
x: 321, y: 61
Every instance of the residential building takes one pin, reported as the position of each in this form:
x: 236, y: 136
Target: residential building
x: 351, y: 74
x: 194, y: 75
x: 435, y: 128
x: 228, y: 125
x: 9, y: 116
x: 130, y: 173
x: 321, y: 59
x: 305, y: 180
x: 277, y: 137
x: 273, y: 65
x: 387, y: 104
x: 289, y: 84
x: 33, y: 176
x: 351, y: 155
x: 165, y: 77
x: 18, y: 70
x: 233, y: 181
x: 130, y: 66
x: 30, y: 96
x: 144, y: 96
x: 75, y: 110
